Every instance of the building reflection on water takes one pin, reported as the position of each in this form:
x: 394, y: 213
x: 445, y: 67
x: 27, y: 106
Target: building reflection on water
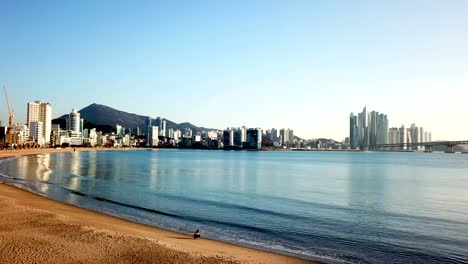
x: 367, y: 186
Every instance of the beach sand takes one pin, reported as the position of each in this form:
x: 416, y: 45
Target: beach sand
x: 34, y: 229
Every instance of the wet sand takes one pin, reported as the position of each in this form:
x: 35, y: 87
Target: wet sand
x: 34, y: 229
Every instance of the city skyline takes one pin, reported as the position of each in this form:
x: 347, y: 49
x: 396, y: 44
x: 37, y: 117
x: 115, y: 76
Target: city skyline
x: 303, y: 65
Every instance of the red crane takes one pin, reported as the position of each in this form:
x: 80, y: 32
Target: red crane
x: 10, y: 120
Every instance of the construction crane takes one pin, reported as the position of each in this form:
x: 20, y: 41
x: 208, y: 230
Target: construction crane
x: 10, y: 120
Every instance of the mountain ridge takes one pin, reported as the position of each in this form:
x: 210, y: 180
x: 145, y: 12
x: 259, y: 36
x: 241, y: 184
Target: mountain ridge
x: 102, y: 115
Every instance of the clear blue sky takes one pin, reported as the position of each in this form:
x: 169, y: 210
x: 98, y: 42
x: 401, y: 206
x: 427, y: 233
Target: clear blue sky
x: 299, y: 64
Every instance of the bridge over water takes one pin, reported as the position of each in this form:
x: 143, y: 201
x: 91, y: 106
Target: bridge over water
x: 427, y: 145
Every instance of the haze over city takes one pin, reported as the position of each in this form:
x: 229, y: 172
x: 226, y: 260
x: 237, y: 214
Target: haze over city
x: 305, y: 65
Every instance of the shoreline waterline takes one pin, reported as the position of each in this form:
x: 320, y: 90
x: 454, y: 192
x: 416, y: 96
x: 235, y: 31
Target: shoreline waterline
x: 103, y: 222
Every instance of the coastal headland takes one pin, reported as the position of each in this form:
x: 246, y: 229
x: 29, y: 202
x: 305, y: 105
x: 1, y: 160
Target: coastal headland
x: 34, y: 229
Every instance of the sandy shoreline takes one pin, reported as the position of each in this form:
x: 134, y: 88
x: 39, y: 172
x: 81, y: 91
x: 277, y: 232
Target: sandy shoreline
x: 34, y: 229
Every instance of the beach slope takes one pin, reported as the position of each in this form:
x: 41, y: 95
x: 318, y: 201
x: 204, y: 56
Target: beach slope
x: 34, y: 229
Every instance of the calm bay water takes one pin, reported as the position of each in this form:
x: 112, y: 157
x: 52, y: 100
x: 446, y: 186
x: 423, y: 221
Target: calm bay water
x: 328, y: 206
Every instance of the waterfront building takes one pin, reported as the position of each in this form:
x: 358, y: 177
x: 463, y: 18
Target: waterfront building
x: 40, y: 112
x: 393, y: 136
x: 268, y: 133
x: 177, y: 135
x: 55, y: 127
x: 85, y: 133
x: 153, y: 137
x: 254, y: 138
x: 377, y: 129
x: 237, y: 141
x: 36, y: 132
x: 291, y: 137
x: 188, y: 132
x: 138, y: 131
x: 419, y: 135
x: 90, y: 137
x: 149, y: 129
x: 3, y: 132
x: 368, y: 130
x: 163, y: 128
x: 170, y: 133
x: 126, y: 140
x: 20, y: 134
x: 76, y: 138
x: 74, y: 126
x: 213, y: 134
x: 284, y: 134
x: 404, y: 137
x: 353, y: 130
x: 273, y: 134
x: 243, y: 131
x: 158, y: 123
x: 414, y: 136
x: 120, y: 131
x: 228, y: 137
x: 363, y: 138
x: 74, y: 121
x: 422, y: 135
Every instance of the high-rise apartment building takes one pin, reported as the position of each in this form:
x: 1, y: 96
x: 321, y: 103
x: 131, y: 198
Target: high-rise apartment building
x: 153, y: 137
x: 243, y: 130
x: 36, y: 132
x: 393, y: 135
x: 120, y: 131
x: 74, y: 121
x: 163, y: 128
x: 368, y: 130
x: 238, y: 137
x: 403, y: 137
x: 284, y: 134
x: 353, y: 131
x: 41, y: 112
x: 148, y: 131
x: 254, y: 138
x: 228, y: 137
x: 291, y: 137
x: 273, y: 134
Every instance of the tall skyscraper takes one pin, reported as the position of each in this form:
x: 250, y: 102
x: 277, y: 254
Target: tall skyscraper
x: 363, y: 136
x: 353, y: 130
x: 163, y: 128
x: 153, y: 137
x: 74, y: 121
x: 284, y: 134
x: 404, y: 139
x: 418, y: 135
x: 368, y: 130
x: 149, y: 130
x: 414, y: 136
x: 238, y: 137
x: 291, y: 137
x: 393, y: 135
x: 42, y: 112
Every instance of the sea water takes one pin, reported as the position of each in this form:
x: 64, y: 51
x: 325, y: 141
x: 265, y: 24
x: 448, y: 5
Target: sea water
x: 335, y: 207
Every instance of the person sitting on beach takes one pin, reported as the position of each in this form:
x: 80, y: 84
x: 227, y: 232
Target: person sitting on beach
x: 196, y: 234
